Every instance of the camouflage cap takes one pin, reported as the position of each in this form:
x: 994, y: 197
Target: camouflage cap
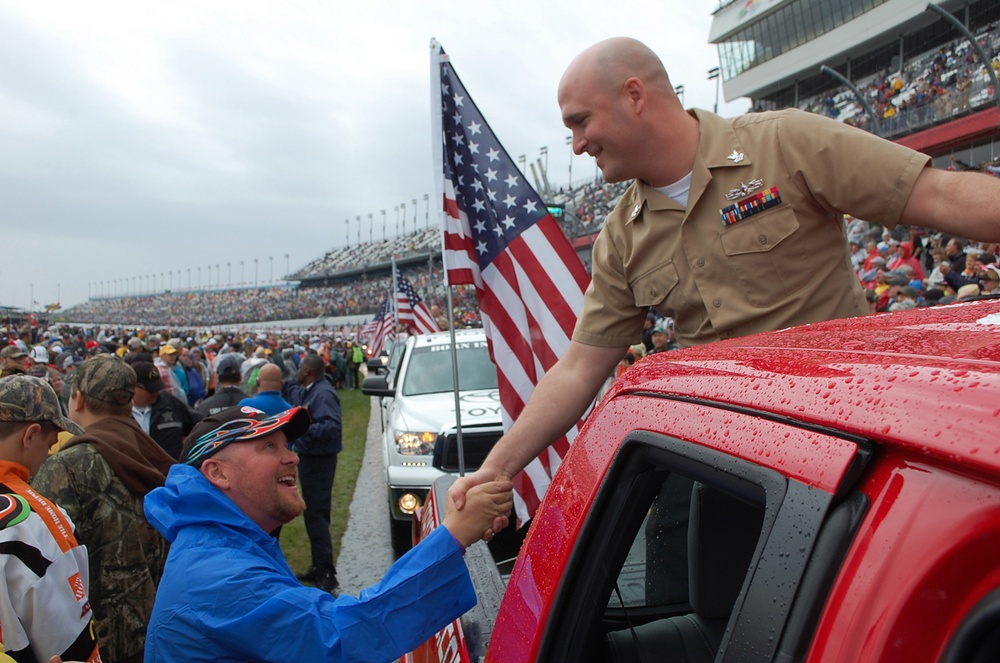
x: 12, y: 352
x: 107, y: 378
x: 27, y: 398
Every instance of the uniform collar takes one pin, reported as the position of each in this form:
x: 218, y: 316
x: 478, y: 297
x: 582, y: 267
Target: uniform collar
x: 718, y: 147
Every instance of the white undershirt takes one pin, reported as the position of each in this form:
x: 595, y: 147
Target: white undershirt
x: 678, y: 190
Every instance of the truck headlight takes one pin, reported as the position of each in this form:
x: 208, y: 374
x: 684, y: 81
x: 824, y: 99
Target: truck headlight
x: 415, y: 444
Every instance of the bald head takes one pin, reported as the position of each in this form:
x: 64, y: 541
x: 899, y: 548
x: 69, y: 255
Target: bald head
x: 609, y: 63
x: 269, y: 378
x: 617, y: 100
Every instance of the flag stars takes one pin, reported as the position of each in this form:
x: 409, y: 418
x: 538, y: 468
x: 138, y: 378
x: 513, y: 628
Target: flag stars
x: 459, y: 139
x: 511, y: 181
x: 477, y: 185
x: 492, y: 195
x: 510, y: 201
x: 480, y: 226
x: 458, y: 158
x: 457, y: 117
x: 474, y: 148
x: 491, y: 175
x: 498, y: 231
x: 481, y: 248
x: 474, y: 128
x: 480, y: 205
x: 459, y: 99
x: 493, y: 154
x: 529, y: 206
x: 508, y: 222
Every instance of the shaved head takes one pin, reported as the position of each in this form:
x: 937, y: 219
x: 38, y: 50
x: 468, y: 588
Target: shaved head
x: 617, y: 100
x: 611, y: 62
x: 269, y: 377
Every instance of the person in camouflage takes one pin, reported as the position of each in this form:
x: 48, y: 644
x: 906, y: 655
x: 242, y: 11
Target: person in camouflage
x: 100, y: 478
x: 44, y: 606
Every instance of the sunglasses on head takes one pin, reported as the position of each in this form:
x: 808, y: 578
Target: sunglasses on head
x: 231, y: 431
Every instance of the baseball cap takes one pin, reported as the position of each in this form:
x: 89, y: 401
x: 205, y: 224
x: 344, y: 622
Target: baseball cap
x: 27, y: 398
x: 167, y: 349
x: 39, y: 355
x: 12, y: 352
x: 147, y: 376
x: 227, y: 366
x: 237, y: 424
x: 107, y: 378
x: 135, y: 343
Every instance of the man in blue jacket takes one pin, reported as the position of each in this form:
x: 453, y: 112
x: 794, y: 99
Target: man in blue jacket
x: 317, y: 448
x: 227, y: 592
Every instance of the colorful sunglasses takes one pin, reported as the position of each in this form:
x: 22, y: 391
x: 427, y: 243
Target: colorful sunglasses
x: 231, y: 431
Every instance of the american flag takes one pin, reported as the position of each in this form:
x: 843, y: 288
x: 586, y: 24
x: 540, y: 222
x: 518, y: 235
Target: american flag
x: 410, y: 309
x: 382, y: 327
x: 499, y: 236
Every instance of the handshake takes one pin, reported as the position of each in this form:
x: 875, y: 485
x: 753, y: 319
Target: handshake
x: 485, y: 510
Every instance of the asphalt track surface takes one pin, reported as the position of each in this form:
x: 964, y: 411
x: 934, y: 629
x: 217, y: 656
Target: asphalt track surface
x: 366, y: 549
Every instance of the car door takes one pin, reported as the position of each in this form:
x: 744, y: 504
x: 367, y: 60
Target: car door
x: 701, y: 539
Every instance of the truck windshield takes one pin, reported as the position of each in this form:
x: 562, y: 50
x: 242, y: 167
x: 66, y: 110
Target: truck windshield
x: 429, y: 369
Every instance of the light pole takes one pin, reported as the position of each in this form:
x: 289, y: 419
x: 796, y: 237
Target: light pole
x: 679, y: 91
x: 229, y: 275
x: 569, y: 141
x: 427, y: 214
x: 396, y: 208
x: 522, y: 160
x: 359, y: 231
x: 288, y: 268
x: 255, y: 272
x: 402, y: 208
x: 242, y: 277
x: 347, y: 232
x: 383, y: 226
x: 371, y: 229
x: 218, y: 276
x: 414, y: 215
x: 270, y: 259
x: 544, y: 151
x: 713, y: 74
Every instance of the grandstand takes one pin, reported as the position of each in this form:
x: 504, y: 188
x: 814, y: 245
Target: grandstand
x: 919, y: 80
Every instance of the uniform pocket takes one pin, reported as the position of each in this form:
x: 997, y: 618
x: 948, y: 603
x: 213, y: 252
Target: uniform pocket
x: 766, y: 272
x: 652, y: 286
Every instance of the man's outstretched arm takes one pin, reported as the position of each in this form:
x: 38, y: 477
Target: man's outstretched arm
x: 558, y: 402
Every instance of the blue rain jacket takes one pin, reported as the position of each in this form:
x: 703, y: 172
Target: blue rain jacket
x: 228, y: 594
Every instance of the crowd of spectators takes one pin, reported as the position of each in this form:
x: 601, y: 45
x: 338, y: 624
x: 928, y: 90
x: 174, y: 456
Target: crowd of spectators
x: 929, y: 88
x: 358, y: 295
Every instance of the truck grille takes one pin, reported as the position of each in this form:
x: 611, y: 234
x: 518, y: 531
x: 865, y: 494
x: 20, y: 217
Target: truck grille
x: 477, y: 446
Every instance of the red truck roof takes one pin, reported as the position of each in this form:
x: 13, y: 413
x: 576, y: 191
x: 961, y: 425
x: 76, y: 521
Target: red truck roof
x: 858, y: 375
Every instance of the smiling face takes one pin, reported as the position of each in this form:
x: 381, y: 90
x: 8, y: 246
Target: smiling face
x: 599, y: 120
x: 260, y: 477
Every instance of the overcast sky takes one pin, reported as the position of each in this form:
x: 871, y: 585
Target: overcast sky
x: 146, y: 138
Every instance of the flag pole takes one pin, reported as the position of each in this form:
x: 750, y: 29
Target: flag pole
x: 438, y: 150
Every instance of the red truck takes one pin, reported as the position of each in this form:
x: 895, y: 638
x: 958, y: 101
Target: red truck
x: 828, y: 493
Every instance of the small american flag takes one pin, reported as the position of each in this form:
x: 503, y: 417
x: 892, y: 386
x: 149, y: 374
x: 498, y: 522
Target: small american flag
x: 410, y: 308
x: 499, y: 236
x: 381, y: 328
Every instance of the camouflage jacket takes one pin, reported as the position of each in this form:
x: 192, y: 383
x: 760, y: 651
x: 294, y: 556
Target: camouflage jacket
x: 126, y: 554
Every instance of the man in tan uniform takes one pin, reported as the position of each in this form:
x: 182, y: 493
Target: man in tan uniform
x: 732, y: 227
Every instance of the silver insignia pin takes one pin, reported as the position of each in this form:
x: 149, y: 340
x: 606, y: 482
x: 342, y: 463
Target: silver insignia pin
x: 735, y: 157
x: 744, y: 189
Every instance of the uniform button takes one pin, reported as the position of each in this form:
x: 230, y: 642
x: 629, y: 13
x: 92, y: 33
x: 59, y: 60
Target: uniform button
x: 701, y: 262
x: 653, y: 293
x: 717, y: 303
x: 762, y: 239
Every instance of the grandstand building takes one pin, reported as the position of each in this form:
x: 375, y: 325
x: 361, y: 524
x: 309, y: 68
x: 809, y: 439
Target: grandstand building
x: 898, y: 68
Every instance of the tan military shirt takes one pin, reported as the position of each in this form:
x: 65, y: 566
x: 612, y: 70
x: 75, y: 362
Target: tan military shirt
x: 775, y: 267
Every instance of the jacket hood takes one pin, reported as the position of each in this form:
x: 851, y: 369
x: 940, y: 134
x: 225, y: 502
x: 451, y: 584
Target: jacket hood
x: 188, y: 499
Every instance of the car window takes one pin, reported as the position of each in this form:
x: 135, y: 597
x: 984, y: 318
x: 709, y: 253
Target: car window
x: 680, y: 543
x: 429, y: 370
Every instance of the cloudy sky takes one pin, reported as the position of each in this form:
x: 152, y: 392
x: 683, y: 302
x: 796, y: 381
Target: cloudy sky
x: 144, y: 138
